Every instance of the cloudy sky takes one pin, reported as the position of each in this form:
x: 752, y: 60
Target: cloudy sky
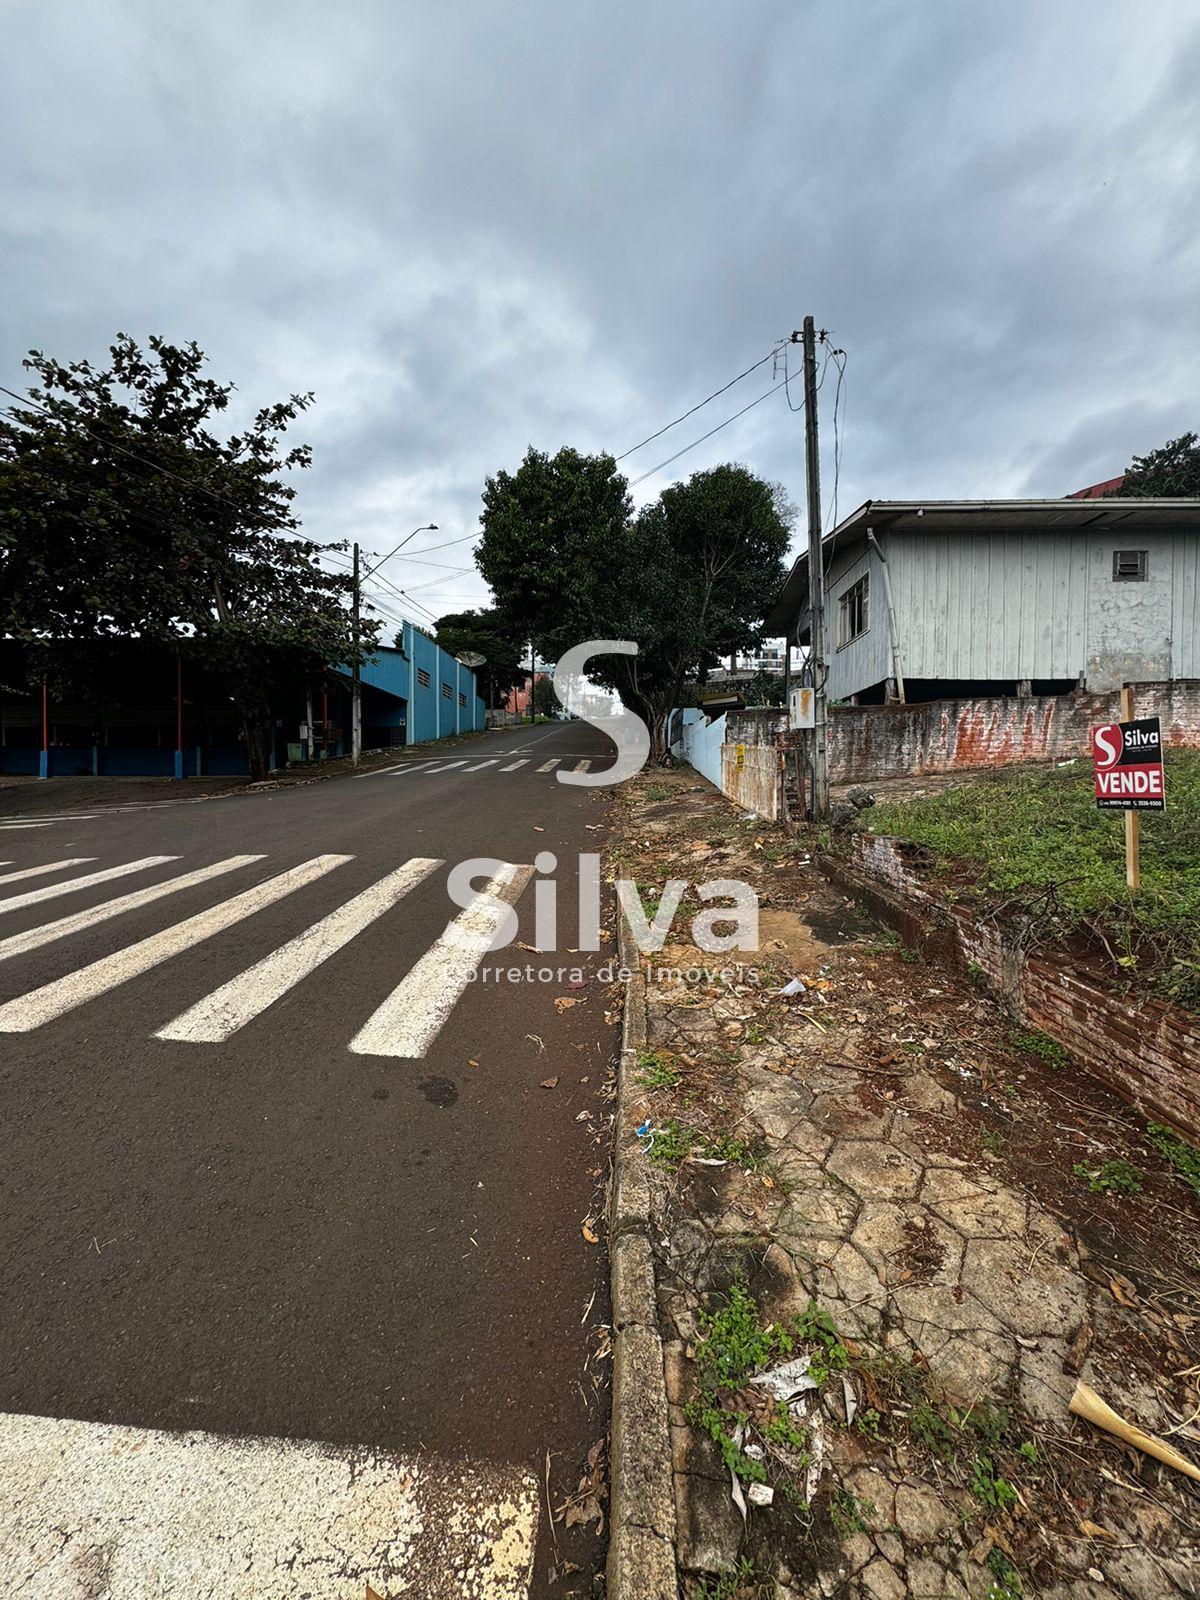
x: 474, y: 227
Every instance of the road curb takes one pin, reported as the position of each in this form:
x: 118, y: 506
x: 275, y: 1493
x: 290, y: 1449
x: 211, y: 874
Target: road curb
x: 641, y: 1552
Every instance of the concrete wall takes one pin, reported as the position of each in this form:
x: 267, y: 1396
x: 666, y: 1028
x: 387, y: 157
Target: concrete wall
x: 1145, y: 1048
x: 872, y: 742
x: 712, y: 748
x: 699, y: 742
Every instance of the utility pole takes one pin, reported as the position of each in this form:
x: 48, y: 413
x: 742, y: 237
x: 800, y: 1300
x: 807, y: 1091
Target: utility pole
x: 532, y: 682
x: 356, y: 686
x: 816, y: 579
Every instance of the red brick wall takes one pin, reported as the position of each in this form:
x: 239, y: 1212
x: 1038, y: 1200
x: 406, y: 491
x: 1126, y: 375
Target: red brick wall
x: 1145, y: 1048
x: 870, y: 742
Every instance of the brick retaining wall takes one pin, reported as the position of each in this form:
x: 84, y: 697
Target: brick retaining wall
x: 1145, y: 1048
x: 871, y: 742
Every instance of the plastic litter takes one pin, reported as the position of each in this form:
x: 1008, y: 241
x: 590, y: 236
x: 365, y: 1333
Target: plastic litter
x: 786, y: 1382
x: 761, y: 1494
x: 793, y: 986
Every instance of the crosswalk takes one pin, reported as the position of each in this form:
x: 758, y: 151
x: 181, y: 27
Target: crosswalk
x: 404, y: 1023
x: 463, y: 766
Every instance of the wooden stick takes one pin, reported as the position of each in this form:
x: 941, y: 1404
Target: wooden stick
x: 1086, y: 1403
x: 1133, y: 821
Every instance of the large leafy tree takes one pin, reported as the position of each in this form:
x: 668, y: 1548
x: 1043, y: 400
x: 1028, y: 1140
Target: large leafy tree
x: 688, y: 578
x: 545, y: 530
x: 126, y: 512
x: 1169, y: 473
x: 485, y: 633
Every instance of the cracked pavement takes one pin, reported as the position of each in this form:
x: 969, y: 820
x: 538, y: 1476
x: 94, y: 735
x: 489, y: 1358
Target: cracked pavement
x: 966, y: 1261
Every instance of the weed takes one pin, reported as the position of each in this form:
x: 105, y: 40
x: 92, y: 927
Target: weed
x: 989, y: 1488
x: 717, y: 1424
x: 1029, y: 1452
x: 727, y: 1585
x: 991, y: 1141
x: 1183, y: 1157
x: 754, y: 1034
x: 817, y: 1327
x: 724, y: 1147
x: 671, y: 1144
x: 931, y: 1429
x: 1007, y: 1584
x: 1043, y: 1046
x: 1117, y: 1176
x: 849, y: 1513
x: 869, y: 1421
x: 657, y: 791
x: 974, y: 972
x: 655, y: 1073
x: 990, y: 1423
x: 734, y: 1345
x: 782, y: 1430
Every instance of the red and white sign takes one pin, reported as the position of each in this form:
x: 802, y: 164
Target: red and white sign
x: 1128, y: 760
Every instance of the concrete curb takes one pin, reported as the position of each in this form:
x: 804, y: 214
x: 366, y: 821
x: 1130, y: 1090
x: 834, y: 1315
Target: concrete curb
x: 641, y: 1551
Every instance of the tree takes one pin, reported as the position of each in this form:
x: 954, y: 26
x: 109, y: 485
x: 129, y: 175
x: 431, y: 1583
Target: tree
x: 546, y: 528
x: 487, y: 634
x: 688, y: 578
x: 1169, y: 473
x: 124, y: 514
x: 545, y: 701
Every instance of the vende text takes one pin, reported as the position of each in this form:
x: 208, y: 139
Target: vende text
x: 1121, y: 782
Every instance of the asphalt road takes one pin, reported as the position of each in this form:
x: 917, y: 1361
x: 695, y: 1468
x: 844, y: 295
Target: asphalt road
x: 271, y: 1233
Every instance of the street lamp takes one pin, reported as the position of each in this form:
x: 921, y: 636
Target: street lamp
x: 356, y: 682
x: 426, y: 527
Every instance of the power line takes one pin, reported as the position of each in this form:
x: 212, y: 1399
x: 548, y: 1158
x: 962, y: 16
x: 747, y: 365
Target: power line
x: 716, y: 392
x: 776, y: 389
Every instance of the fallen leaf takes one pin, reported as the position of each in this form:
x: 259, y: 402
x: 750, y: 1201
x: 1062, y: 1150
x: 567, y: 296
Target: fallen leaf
x: 549, y: 1083
x: 1094, y: 1530
x: 1121, y: 1294
x: 589, y: 1235
x: 564, y: 1002
x: 536, y: 829
x: 472, y: 1063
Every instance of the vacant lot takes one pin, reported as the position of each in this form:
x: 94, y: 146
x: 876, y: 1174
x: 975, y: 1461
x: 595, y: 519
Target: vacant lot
x: 1035, y: 838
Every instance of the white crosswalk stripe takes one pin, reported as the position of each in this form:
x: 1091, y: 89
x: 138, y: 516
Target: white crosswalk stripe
x: 18, y: 944
x: 513, y: 765
x: 549, y: 765
x: 235, y: 1003
x: 51, y: 891
x: 52, y: 1000
x: 413, y: 1015
x: 479, y: 765
x: 583, y: 766
x: 402, y: 772
x: 405, y: 1024
x: 39, y: 872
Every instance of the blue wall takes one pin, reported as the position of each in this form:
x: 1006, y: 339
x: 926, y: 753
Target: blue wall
x: 432, y: 713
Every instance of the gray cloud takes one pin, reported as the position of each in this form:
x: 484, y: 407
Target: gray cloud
x: 473, y: 228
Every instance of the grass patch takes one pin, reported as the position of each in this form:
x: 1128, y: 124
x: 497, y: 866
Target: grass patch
x: 1117, y: 1176
x: 1185, y: 1158
x: 654, y: 1072
x: 1042, y: 1046
x: 1038, y: 837
x: 676, y: 1140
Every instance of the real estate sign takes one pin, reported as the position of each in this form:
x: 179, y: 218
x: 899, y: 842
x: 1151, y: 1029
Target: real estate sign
x: 1128, y: 760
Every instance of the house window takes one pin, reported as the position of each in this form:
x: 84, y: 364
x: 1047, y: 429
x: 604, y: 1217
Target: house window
x: 422, y: 677
x: 854, y: 612
x: 447, y: 692
x: 462, y: 699
x: 1130, y: 566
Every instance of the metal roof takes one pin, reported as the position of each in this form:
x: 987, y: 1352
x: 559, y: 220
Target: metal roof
x: 980, y: 516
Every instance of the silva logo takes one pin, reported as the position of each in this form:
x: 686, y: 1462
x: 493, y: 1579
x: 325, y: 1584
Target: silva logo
x: 1108, y: 745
